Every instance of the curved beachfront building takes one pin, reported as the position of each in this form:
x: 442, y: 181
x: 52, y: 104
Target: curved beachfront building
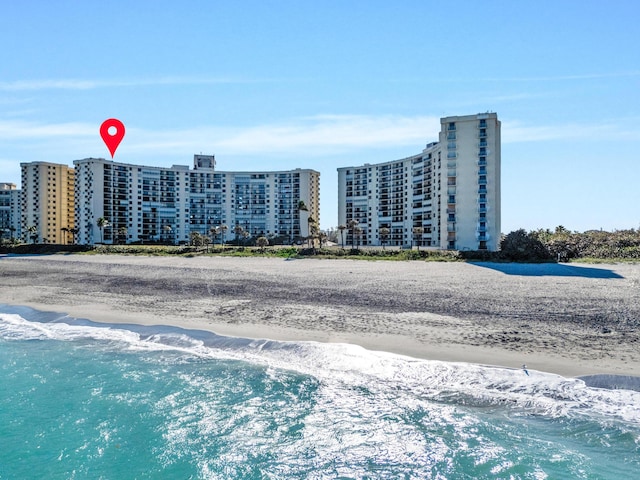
x: 447, y: 196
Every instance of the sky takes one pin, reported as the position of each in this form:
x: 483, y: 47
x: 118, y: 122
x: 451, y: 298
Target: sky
x: 278, y: 85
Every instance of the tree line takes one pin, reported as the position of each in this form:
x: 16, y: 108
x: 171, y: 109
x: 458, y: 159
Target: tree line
x: 563, y: 245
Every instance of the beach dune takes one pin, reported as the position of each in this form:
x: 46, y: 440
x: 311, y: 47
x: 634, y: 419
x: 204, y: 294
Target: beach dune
x: 568, y: 319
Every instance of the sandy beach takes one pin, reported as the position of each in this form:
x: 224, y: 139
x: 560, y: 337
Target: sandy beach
x: 567, y: 319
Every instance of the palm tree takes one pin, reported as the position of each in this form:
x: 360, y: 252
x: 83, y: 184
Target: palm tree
x: 322, y: 238
x: 167, y: 232
x: 245, y: 237
x: 383, y: 233
x: 358, y: 231
x: 223, y: 230
x: 12, y: 230
x: 342, y: 228
x: 122, y: 234
x: 74, y: 231
x: 102, y: 224
x: 33, y: 233
x: 312, y: 228
x: 417, y: 232
x: 352, y: 224
x: 238, y: 230
x: 64, y: 230
x: 214, y: 231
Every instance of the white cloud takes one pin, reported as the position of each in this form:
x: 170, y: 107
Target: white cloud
x: 322, y: 135
x: 310, y: 136
x: 554, y: 78
x: 84, y: 84
x: 333, y: 132
x: 515, y: 132
x: 21, y: 130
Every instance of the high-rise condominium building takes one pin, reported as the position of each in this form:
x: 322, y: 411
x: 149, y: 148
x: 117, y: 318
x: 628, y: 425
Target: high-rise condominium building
x: 9, y: 211
x: 262, y: 203
x: 47, y: 202
x: 446, y: 197
x: 143, y: 203
x: 137, y: 203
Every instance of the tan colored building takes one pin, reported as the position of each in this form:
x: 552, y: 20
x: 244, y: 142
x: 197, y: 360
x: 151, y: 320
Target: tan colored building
x: 47, y: 202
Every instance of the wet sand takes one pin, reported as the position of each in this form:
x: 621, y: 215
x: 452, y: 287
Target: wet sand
x: 568, y: 319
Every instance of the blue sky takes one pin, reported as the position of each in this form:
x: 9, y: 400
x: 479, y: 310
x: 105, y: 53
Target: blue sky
x: 268, y: 85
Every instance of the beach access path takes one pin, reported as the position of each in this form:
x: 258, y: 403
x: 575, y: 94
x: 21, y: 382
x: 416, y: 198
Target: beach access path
x: 570, y: 319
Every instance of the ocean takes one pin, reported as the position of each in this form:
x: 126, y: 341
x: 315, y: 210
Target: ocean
x: 80, y: 400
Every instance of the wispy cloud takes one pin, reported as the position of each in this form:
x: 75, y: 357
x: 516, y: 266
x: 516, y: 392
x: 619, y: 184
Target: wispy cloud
x: 556, y: 78
x: 15, y: 130
x: 308, y: 136
x: 514, y: 132
x: 333, y: 132
x: 88, y: 84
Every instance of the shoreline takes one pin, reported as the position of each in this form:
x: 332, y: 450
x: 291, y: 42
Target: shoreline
x: 603, y: 381
x: 379, y: 307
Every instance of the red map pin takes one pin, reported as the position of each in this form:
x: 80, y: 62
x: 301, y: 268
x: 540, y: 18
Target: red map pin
x: 112, y: 133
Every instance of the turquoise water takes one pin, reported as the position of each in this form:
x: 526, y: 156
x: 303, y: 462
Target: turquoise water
x: 83, y: 401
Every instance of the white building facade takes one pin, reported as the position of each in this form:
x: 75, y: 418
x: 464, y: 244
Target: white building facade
x: 144, y: 203
x: 139, y: 203
x: 446, y: 197
x: 10, y: 227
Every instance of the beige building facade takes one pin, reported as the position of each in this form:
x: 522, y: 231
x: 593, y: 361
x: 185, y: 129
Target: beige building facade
x: 47, y: 202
